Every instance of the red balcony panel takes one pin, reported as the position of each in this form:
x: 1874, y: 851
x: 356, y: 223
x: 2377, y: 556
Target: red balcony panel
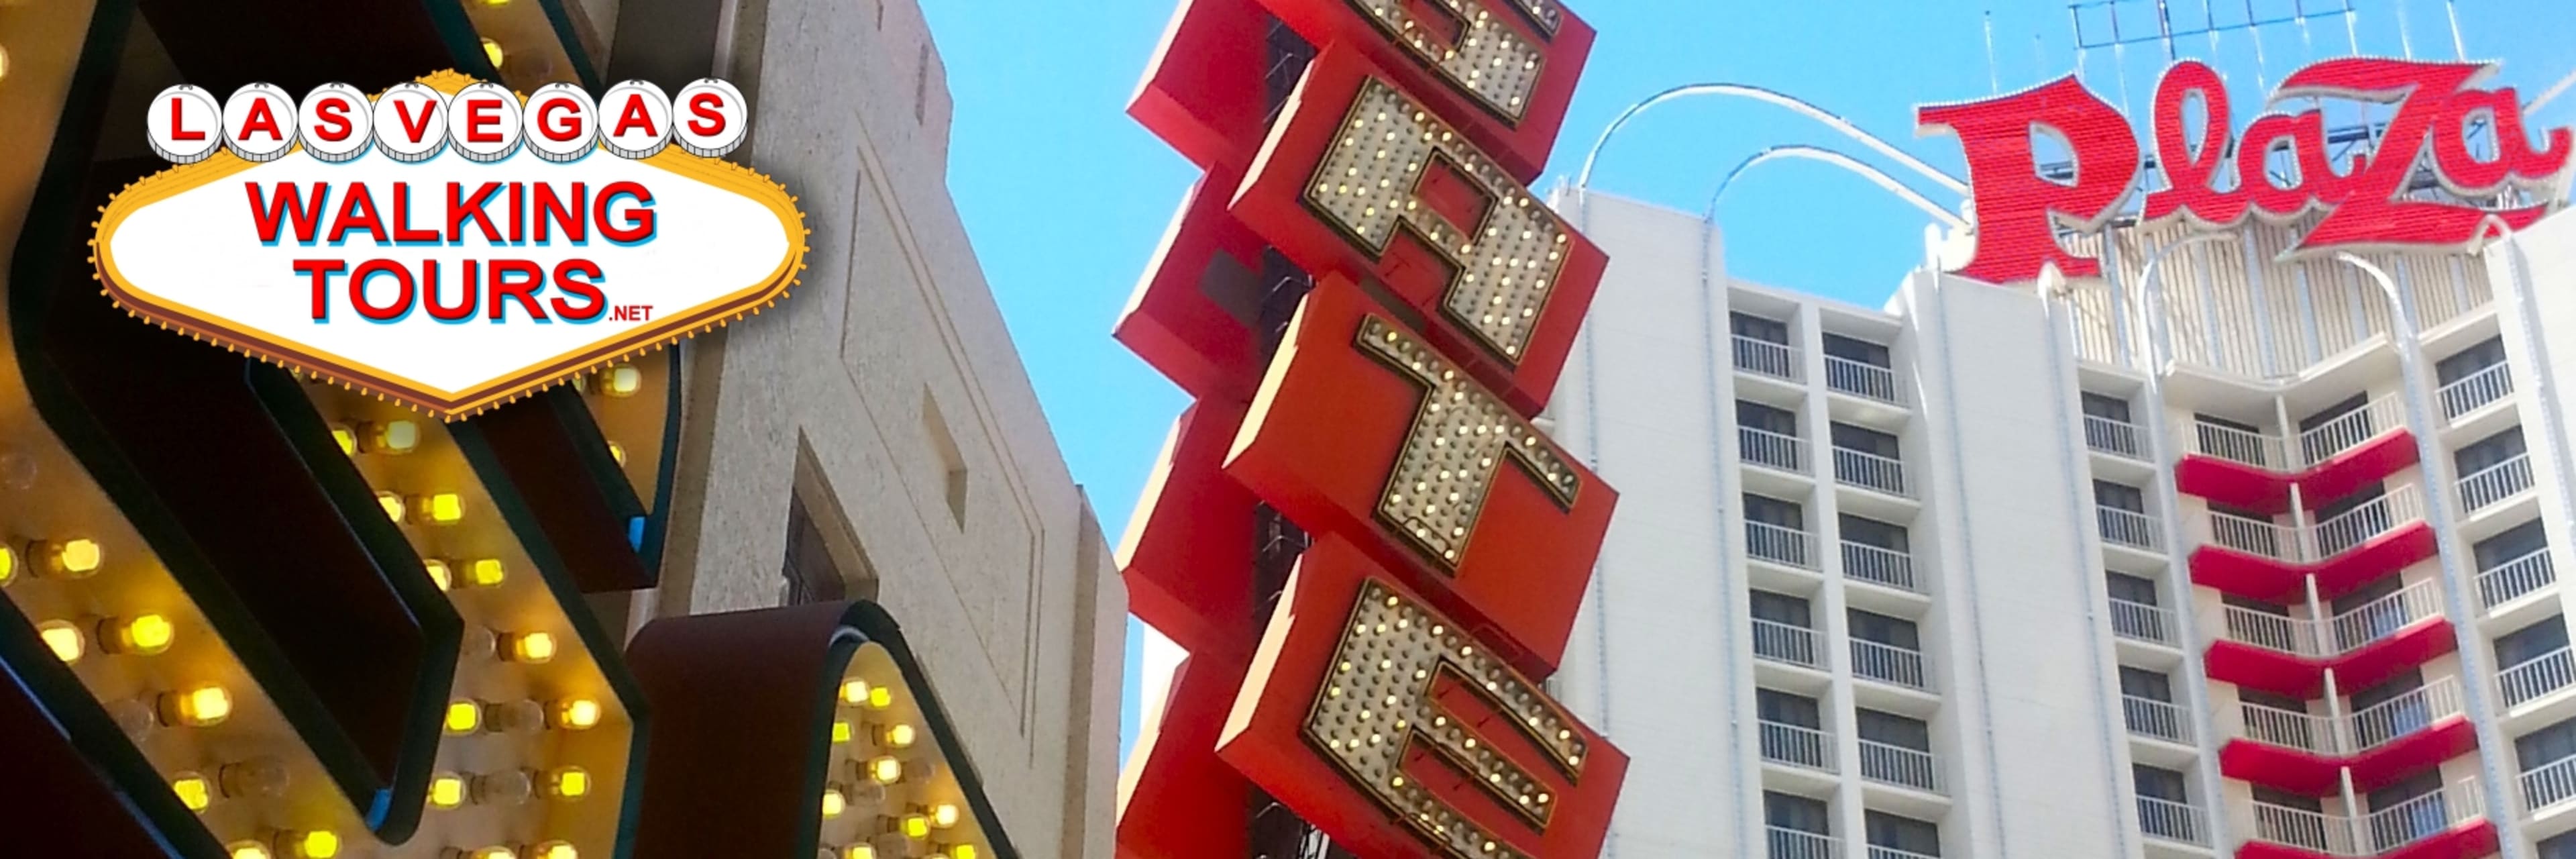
x: 2469, y: 840
x: 2249, y: 575
x: 2236, y: 484
x: 2301, y: 677
x: 2304, y: 772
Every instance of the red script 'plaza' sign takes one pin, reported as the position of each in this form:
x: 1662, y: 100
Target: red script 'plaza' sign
x: 2436, y: 105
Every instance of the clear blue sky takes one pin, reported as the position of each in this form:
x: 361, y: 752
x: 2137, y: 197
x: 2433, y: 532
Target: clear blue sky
x: 1065, y: 197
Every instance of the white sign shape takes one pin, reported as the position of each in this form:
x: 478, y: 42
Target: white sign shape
x: 449, y: 284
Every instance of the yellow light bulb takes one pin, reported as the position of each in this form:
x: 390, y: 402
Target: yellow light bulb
x: 193, y: 791
x: 880, y: 697
x: 395, y: 437
x: 248, y: 850
x: 444, y: 508
x: 197, y: 708
x: 492, y: 49
x: 579, y: 714
x: 840, y: 732
x: 487, y: 573
x: 553, y: 849
x: 348, y: 440
x: 464, y: 716
x: 916, y: 827
x: 494, y: 853
x: 568, y: 783
x: 8, y: 565
x: 624, y: 381
x: 530, y: 647
x: 72, y: 558
x: 886, y: 770
x: 439, y: 574
x: 64, y: 639
x: 446, y: 790
x: 962, y: 851
x: 943, y: 815
x: 392, y: 503
x: 617, y: 452
x: 859, y: 851
x: 900, y: 736
x: 315, y: 844
x: 142, y: 634
x: 854, y: 691
x: 833, y: 804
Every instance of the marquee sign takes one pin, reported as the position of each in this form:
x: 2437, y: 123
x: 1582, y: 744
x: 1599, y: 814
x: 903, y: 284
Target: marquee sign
x: 1368, y: 304
x: 2218, y: 178
x: 449, y: 244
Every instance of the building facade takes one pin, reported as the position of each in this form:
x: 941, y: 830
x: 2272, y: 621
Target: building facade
x: 2224, y: 565
x: 873, y: 440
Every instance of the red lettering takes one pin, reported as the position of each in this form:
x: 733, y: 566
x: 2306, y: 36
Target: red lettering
x: 2191, y: 173
x: 557, y: 211
x: 334, y: 113
x: 559, y: 120
x: 321, y: 271
x: 706, y: 105
x: 480, y: 115
x: 415, y: 129
x: 519, y: 279
x: 462, y: 207
x: 633, y: 116
x: 2017, y: 209
x: 587, y: 288
x: 388, y: 312
x: 261, y: 118
x: 2304, y: 135
x: 178, y: 126
x: 271, y: 213
x: 639, y: 217
x: 467, y: 290
x: 2372, y: 212
x: 357, y: 210
x: 403, y: 230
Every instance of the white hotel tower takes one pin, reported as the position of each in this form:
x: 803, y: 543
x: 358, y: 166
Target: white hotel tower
x: 2221, y: 567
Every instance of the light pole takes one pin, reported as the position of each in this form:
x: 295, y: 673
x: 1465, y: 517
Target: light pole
x: 2437, y: 498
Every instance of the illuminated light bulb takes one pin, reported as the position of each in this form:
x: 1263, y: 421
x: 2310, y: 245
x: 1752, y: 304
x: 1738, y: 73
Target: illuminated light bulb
x: 494, y: 852
x: 859, y: 851
x: 833, y: 804
x: 258, y: 778
x: 886, y: 770
x: 854, y: 692
x: 394, y: 437
x: 576, y: 714
x: 8, y: 565
x: 463, y: 717
x: 880, y: 697
x: 63, y: 639
x: 568, y: 783
x: 486, y: 573
x: 624, y: 381
x: 439, y: 574
x: 347, y: 438
x: 446, y: 790
x: 617, y: 452
x: 962, y: 851
x: 840, y: 732
x: 310, y: 844
x: 71, y: 558
x: 553, y: 849
x: 943, y: 815
x: 492, y: 49
x: 193, y: 791
x: 530, y: 647
x: 900, y: 736
x: 444, y: 508
x: 248, y: 850
x: 200, y: 707
x: 916, y: 827
x: 140, y: 635
x: 392, y: 503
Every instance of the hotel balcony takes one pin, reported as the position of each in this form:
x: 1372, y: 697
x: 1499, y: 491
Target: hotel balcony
x: 2535, y: 678
x: 2156, y: 720
x: 1797, y: 746
x: 2382, y: 744
x: 1786, y: 843
x: 2259, y: 559
x: 1774, y: 641
x: 1870, y: 471
x: 1862, y: 379
x: 2366, y: 645
x: 2449, y: 823
x: 1777, y: 451
x: 1879, y: 565
x: 1887, y: 663
x: 2256, y: 470
x: 2514, y: 579
x: 2136, y: 621
x: 2474, y: 391
x: 1878, y: 852
x: 1766, y: 358
x: 1779, y: 544
x: 1898, y: 766
x: 2178, y: 822
x: 2494, y: 484
x: 2130, y: 528
x: 2549, y: 785
x: 2117, y: 438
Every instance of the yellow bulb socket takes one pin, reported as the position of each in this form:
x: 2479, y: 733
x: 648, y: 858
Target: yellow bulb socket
x: 623, y: 380
x: 394, y: 437
x: 248, y: 850
x: 70, y: 559
x: 346, y: 438
x: 308, y: 844
x: 439, y: 573
x: 486, y: 573
x: 567, y: 783
x: 193, y: 790
x: 916, y: 827
x: 944, y: 815
x: 552, y: 849
x: 446, y: 790
x: 203, y: 706
x: 8, y: 565
x: 394, y: 506
x: 528, y: 647
x: 886, y: 770
x: 575, y: 714
x: 140, y: 635
x: 463, y: 717
x: 64, y: 639
x: 444, y: 508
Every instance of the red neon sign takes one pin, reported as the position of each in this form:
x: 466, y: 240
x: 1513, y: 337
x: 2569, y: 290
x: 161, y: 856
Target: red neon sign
x: 2216, y: 184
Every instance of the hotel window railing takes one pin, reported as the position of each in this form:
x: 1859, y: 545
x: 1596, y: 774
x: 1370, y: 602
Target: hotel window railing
x: 2422, y: 817
x: 1889, y: 663
x: 1777, y: 360
x: 2510, y: 580
x: 1879, y: 565
x: 2127, y: 527
x: 1767, y: 448
x: 1861, y: 378
x: 2289, y: 729
x: 1869, y: 471
x: 2239, y: 446
x: 2315, y: 832
x: 2369, y: 728
x: 1900, y: 766
x: 2549, y: 784
x: 1797, y: 745
x: 2347, y: 530
x: 2310, y: 447
x: 2273, y: 632
x: 2384, y: 616
x: 2141, y: 622
x: 2495, y: 483
x: 1780, y: 642
x: 2163, y: 720
x: 2118, y: 438
x: 2465, y: 394
x: 1787, y: 843
x: 2540, y: 675
x: 1779, y: 544
x: 2171, y: 821
x: 1878, y: 852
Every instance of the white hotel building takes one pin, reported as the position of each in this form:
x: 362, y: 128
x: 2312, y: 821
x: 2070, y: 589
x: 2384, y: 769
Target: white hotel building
x: 1979, y: 575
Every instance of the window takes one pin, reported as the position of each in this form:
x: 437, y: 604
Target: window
x: 2488, y: 452
x: 2131, y: 589
x: 2467, y: 362
x: 2159, y: 783
x: 1783, y: 708
x: 2119, y: 496
x: 1871, y: 532
x: 1781, y: 608
x: 2352, y: 501
x: 2106, y: 407
x: 1790, y: 811
x: 2389, y: 830
x: 1893, y: 730
x: 1758, y: 328
x: 1752, y: 415
x: 2142, y: 683
x: 1890, y: 631
x: 1865, y: 440
x: 1851, y: 349
x: 1903, y: 833
x: 2367, y: 594
x: 808, y: 565
x: 2531, y: 642
x: 1772, y: 511
x: 2546, y: 746
x: 2286, y: 799
x: 2401, y: 714
x: 2558, y: 847
x: 2511, y: 545
x: 2223, y: 423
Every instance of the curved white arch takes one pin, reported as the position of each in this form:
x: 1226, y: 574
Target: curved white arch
x: 1856, y: 166
x: 1583, y: 180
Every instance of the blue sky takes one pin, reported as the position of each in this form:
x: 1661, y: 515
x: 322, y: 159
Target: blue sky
x: 1065, y: 197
